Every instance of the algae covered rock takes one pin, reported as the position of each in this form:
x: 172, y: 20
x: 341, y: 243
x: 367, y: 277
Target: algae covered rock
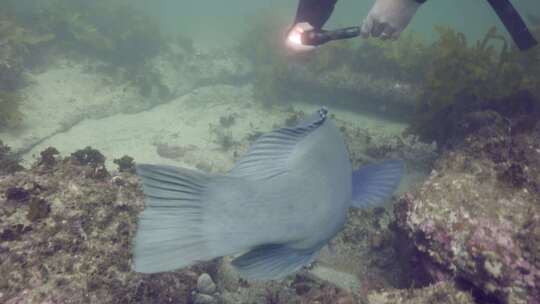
x: 125, y: 164
x: 443, y: 292
x: 205, y: 284
x: 477, y: 217
x: 93, y: 160
x: 463, y: 77
x: 65, y: 237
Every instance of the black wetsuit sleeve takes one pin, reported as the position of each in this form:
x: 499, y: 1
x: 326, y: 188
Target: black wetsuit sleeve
x: 315, y: 12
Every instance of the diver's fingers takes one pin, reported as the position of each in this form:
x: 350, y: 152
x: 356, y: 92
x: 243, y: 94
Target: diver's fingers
x: 304, y: 26
x: 294, y: 38
x: 298, y: 47
x: 388, y: 32
x: 378, y: 28
x: 366, y: 27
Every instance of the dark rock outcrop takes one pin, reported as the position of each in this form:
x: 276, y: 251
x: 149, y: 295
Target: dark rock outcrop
x: 477, y: 217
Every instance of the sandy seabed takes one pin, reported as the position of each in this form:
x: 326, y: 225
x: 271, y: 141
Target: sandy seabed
x: 69, y: 108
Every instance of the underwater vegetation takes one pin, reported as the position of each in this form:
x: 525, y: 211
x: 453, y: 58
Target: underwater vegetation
x: 223, y: 137
x: 10, y: 115
x: 279, y: 75
x: 450, y: 77
x: 48, y: 157
x: 114, y: 31
x: 93, y: 160
x: 17, y: 44
x: 262, y: 45
x: 8, y: 162
x: 403, y: 59
x: 476, y: 219
x: 227, y: 121
x: 463, y: 78
x: 125, y: 164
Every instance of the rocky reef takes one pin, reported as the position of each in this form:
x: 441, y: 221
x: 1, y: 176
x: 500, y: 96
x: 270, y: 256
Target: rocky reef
x: 67, y: 223
x: 65, y: 236
x: 443, y: 292
x: 66, y: 226
x: 476, y: 220
x: 469, y: 234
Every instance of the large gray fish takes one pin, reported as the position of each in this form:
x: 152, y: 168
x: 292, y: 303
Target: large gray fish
x: 279, y: 205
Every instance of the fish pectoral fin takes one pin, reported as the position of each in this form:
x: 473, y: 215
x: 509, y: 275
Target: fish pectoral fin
x: 273, y: 261
x: 268, y: 156
x: 373, y: 184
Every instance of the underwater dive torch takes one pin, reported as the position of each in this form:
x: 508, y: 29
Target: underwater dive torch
x: 318, y: 37
x: 508, y: 15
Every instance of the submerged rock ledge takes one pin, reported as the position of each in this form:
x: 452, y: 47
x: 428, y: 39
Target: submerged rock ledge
x: 65, y: 237
x: 66, y: 227
x: 477, y: 218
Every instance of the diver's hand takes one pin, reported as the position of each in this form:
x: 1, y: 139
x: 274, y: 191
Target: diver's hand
x: 388, y: 18
x: 294, y: 38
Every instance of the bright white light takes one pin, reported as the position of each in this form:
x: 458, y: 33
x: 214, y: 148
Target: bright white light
x: 295, y: 37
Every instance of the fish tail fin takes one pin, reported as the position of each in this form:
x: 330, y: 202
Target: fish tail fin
x: 373, y: 184
x: 170, y: 232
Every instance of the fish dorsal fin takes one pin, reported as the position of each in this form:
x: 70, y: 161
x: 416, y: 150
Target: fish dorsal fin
x: 373, y: 184
x: 271, y: 261
x: 268, y: 156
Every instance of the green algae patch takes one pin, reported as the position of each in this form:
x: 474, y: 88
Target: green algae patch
x: 125, y: 164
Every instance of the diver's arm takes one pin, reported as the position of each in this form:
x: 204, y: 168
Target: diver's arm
x: 314, y: 12
x: 310, y: 15
x: 388, y: 18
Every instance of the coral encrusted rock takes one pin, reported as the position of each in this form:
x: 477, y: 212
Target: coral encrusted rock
x: 66, y: 237
x: 442, y: 292
x: 477, y: 218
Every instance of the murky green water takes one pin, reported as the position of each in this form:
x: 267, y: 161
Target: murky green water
x: 216, y: 23
x: 87, y: 87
